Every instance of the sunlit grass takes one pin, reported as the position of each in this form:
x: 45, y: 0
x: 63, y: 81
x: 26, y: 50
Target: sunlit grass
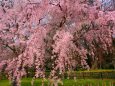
x: 79, y: 82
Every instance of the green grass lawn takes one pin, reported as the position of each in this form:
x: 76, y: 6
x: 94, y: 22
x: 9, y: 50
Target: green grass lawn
x: 79, y: 82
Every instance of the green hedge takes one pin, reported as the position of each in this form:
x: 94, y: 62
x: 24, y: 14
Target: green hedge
x: 92, y: 74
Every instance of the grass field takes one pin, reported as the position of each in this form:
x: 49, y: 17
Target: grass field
x: 79, y: 82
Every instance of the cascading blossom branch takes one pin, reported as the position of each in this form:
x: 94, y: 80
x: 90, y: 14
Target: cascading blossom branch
x: 65, y: 50
x: 63, y: 44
